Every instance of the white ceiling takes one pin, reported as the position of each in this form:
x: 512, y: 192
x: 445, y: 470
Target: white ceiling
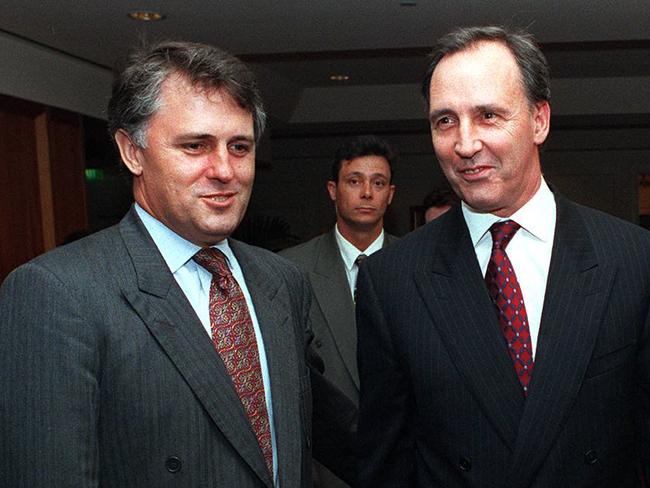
x: 297, y: 44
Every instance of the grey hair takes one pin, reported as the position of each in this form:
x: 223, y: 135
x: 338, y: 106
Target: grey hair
x: 136, y: 89
x: 534, y: 70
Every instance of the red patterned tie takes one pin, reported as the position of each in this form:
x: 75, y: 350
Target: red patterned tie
x: 233, y: 336
x: 505, y: 293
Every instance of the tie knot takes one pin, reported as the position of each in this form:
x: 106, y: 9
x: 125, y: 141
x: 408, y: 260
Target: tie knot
x: 502, y: 233
x: 213, y: 260
x: 360, y: 259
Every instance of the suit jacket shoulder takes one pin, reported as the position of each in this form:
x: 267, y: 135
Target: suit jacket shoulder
x: 305, y: 254
x: 114, y: 333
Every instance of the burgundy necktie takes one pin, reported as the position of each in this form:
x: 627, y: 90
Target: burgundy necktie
x: 233, y: 337
x: 508, y: 301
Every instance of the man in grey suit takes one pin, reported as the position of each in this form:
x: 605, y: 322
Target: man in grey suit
x: 361, y: 189
x: 131, y: 359
x: 506, y: 343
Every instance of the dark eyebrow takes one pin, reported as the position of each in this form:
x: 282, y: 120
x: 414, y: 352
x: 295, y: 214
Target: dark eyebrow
x: 198, y: 136
x: 489, y: 108
x: 434, y: 114
x: 244, y: 138
x: 193, y: 136
x: 370, y: 176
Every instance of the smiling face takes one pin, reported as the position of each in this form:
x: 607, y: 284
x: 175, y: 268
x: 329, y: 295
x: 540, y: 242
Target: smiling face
x: 362, y: 194
x: 485, y: 132
x: 197, y: 171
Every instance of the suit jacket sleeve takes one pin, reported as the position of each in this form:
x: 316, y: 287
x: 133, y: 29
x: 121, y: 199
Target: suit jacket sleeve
x: 49, y: 402
x: 386, y: 428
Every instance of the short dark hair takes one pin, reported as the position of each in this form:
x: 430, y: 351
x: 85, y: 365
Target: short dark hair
x: 136, y: 89
x: 535, y: 74
x: 440, y: 198
x: 362, y: 146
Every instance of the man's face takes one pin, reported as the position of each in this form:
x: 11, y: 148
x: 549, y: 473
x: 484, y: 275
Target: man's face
x: 197, y: 171
x: 485, y: 133
x: 433, y: 213
x: 362, y: 193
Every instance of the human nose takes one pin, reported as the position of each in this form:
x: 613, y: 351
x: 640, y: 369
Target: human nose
x: 366, y: 189
x: 468, y: 142
x: 220, y: 166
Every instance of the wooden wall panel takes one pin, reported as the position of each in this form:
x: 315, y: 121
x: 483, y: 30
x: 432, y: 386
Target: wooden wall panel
x: 21, y: 232
x: 644, y: 194
x: 66, y: 154
x: 42, y: 187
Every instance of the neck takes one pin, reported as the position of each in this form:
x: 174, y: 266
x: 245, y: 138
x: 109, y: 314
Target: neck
x: 359, y: 238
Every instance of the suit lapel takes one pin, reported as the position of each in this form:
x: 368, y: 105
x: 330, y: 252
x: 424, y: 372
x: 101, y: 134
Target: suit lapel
x: 332, y: 292
x: 170, y: 318
x: 453, y: 289
x: 272, y: 311
x: 576, y: 295
x: 389, y: 239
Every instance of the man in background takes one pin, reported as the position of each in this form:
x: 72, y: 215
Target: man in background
x: 437, y: 203
x: 361, y: 189
x: 160, y: 352
x: 506, y: 343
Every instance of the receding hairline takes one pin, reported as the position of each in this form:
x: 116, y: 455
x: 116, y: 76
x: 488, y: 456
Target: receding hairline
x: 476, y: 45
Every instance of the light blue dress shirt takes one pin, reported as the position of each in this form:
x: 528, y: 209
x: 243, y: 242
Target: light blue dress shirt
x: 195, y: 282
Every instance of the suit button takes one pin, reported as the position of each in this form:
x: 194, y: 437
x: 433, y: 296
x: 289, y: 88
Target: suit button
x: 465, y: 464
x: 591, y: 457
x: 318, y: 343
x: 173, y: 464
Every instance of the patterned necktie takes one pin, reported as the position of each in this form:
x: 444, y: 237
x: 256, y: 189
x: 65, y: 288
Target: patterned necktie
x: 508, y: 301
x: 233, y: 337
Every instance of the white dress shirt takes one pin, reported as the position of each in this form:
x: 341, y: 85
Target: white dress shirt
x: 529, y: 250
x: 195, y: 282
x: 349, y: 254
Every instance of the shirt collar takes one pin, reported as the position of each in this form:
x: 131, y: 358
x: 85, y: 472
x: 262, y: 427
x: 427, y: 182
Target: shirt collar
x: 175, y: 250
x: 349, y: 252
x: 537, y: 217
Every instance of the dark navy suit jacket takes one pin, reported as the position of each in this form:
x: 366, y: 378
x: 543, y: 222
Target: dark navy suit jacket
x: 440, y: 404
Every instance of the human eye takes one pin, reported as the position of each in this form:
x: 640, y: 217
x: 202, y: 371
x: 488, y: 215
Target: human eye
x: 240, y: 148
x: 194, y: 147
x: 489, y: 116
x: 443, y: 122
x: 354, y: 181
x: 379, y: 183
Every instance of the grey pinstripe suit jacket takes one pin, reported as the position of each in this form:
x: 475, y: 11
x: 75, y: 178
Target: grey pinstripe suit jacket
x: 440, y: 402
x: 332, y: 313
x: 109, y: 379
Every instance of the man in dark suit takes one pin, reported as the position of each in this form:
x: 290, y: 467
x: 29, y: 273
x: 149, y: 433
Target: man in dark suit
x: 159, y: 352
x: 361, y: 189
x: 505, y: 344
